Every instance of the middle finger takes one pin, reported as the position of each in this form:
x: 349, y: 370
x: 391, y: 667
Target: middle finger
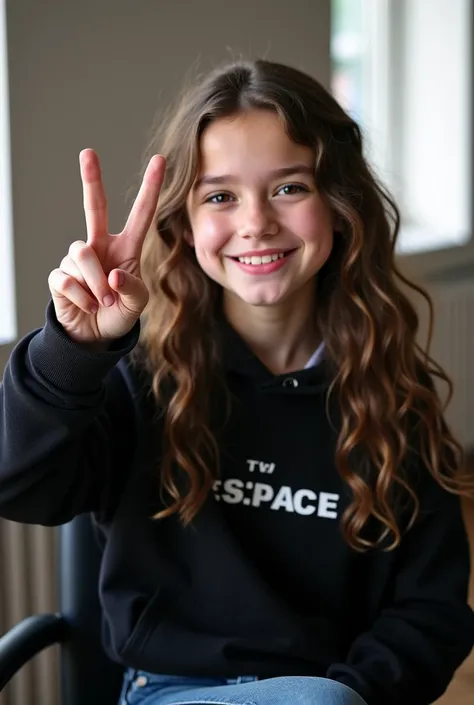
x: 144, y: 207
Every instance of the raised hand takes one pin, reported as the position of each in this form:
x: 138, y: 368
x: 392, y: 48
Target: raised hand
x: 97, y: 291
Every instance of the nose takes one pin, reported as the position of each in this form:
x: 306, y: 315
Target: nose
x: 256, y: 220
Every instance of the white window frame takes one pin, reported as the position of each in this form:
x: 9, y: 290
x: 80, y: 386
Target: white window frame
x: 389, y: 40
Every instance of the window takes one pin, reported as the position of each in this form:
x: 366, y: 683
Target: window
x: 7, y: 287
x: 403, y: 71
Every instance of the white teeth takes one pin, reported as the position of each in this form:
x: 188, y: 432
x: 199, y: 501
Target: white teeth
x: 266, y: 259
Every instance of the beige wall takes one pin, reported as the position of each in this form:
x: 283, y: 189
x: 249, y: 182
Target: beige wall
x: 92, y: 73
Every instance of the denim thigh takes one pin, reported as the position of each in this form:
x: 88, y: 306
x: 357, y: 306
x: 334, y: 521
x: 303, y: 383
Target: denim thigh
x: 142, y: 688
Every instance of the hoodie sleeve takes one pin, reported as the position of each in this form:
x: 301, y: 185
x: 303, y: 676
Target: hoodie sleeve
x: 418, y: 641
x: 66, y: 426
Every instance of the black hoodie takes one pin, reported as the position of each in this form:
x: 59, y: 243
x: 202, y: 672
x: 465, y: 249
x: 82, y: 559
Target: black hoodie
x: 262, y: 581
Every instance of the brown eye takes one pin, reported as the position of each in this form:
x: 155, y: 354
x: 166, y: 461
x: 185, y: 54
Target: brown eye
x: 291, y: 189
x: 218, y: 198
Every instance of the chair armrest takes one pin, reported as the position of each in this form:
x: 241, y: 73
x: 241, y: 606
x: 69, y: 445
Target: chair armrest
x: 26, y: 639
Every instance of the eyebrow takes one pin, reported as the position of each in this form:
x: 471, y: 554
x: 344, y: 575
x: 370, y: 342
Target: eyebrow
x: 208, y: 180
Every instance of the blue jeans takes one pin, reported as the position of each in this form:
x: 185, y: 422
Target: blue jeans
x: 142, y: 688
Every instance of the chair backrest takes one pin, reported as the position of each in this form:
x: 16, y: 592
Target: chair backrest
x: 87, y: 674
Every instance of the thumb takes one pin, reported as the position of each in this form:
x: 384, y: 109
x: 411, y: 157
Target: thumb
x: 131, y: 290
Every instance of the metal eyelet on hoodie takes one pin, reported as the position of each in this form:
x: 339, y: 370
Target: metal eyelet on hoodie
x: 290, y: 382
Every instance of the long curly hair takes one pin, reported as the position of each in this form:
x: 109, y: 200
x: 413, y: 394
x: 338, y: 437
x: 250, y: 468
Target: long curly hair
x: 390, y: 416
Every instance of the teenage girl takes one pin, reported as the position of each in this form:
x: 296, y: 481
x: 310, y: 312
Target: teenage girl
x: 265, y: 453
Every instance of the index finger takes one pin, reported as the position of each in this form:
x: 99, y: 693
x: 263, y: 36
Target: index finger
x: 144, y: 207
x: 95, y: 201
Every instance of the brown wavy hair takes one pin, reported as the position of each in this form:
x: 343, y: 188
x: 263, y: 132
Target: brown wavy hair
x: 390, y: 417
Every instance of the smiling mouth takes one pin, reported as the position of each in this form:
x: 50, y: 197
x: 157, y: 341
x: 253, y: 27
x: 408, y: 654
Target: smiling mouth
x: 263, y: 259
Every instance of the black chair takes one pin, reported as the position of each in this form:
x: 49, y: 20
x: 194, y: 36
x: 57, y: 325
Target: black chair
x: 87, y: 675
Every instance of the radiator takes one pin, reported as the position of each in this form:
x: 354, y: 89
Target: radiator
x: 453, y: 348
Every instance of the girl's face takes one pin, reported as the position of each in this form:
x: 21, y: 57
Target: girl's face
x: 259, y: 227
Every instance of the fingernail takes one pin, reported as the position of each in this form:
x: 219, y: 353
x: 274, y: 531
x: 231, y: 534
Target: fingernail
x: 108, y: 300
x: 120, y: 278
x: 94, y: 308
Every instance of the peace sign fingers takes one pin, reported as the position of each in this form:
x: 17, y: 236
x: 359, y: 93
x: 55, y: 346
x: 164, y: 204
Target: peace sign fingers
x: 146, y: 202
x: 95, y: 201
